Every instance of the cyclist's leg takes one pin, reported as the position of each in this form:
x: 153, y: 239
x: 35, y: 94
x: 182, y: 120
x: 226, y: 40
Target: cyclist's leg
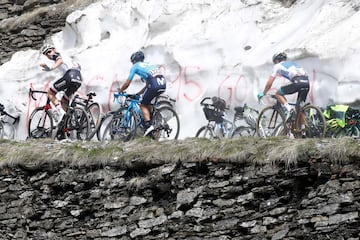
x: 59, y: 85
x: 146, y: 107
x: 73, y: 83
x: 303, y: 90
x: 286, y: 90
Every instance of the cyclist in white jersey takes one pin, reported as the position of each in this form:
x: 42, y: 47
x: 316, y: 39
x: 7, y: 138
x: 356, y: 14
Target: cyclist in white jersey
x: 297, y: 76
x: 70, y: 82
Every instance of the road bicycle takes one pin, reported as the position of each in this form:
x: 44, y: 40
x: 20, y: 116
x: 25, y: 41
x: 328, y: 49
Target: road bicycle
x: 162, y: 100
x: 7, y: 124
x: 75, y: 124
x: 128, y: 121
x: 306, y: 121
x: 93, y: 109
x: 219, y: 127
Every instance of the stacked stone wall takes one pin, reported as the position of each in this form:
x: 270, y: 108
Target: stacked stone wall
x: 316, y: 199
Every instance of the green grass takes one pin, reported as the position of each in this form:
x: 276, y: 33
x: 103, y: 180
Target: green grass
x: 144, y: 152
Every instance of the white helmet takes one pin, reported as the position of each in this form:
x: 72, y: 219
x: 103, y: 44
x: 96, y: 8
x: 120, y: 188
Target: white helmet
x: 46, y: 47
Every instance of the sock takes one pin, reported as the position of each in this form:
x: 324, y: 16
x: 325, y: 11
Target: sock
x: 59, y: 109
x: 147, y: 124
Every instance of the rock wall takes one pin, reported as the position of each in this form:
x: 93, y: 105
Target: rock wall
x: 208, y: 199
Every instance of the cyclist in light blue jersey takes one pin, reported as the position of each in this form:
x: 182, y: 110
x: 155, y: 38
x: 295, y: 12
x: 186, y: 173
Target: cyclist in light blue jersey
x: 297, y: 76
x: 155, y: 85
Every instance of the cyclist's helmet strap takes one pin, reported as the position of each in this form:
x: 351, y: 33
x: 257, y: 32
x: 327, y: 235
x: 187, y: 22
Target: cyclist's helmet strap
x: 278, y: 57
x: 137, y: 57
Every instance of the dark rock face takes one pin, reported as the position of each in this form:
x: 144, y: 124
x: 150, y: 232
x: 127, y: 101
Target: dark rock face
x: 25, y: 24
x: 208, y: 200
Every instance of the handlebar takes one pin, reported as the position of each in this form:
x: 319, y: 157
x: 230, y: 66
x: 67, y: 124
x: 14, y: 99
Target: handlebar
x: 3, y: 112
x: 117, y: 95
x: 202, y: 103
x: 31, y: 93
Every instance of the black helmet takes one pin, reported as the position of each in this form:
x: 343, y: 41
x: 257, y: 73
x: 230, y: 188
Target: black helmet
x: 278, y: 57
x: 137, y: 57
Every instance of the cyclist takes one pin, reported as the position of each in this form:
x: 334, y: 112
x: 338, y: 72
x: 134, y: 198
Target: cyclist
x: 69, y: 83
x: 155, y: 85
x: 297, y: 76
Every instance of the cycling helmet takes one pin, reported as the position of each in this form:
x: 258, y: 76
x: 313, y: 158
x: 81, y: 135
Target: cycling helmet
x: 137, y: 57
x: 278, y: 57
x: 46, y: 47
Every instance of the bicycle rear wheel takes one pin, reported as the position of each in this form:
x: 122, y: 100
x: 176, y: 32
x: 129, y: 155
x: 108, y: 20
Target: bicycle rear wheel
x: 270, y: 122
x: 94, y: 117
x: 310, y: 123
x: 76, y: 124
x: 122, y: 126
x: 243, y: 131
x: 41, y: 124
x: 166, y: 123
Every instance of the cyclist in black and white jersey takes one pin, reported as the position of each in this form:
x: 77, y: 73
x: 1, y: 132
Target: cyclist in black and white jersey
x: 155, y: 85
x: 70, y: 82
x: 297, y: 77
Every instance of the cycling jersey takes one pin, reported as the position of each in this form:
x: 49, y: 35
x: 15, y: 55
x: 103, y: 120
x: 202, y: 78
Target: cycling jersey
x: 289, y: 70
x: 71, y: 79
x: 144, y: 70
x: 155, y: 81
x: 64, y: 67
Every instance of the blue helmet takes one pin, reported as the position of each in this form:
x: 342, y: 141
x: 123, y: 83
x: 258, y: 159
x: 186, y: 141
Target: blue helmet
x: 137, y: 57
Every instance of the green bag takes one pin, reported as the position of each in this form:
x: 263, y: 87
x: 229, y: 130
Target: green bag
x: 337, y: 112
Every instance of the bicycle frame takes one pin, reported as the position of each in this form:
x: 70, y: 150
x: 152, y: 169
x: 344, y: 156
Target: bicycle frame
x: 132, y: 103
x: 308, y: 121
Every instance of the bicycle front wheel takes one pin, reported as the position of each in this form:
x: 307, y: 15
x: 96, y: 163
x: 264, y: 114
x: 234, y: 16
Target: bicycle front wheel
x: 166, y: 123
x: 1, y: 130
x: 76, y: 124
x: 310, y: 123
x: 41, y: 124
x: 103, y: 124
x: 8, y: 130
x: 205, y: 132
x: 122, y: 126
x: 243, y: 131
x: 270, y: 122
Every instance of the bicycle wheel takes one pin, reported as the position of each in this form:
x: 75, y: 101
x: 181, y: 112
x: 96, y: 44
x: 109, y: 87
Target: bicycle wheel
x: 243, y: 131
x: 270, y: 122
x: 8, y: 131
x: 103, y: 124
x: 166, y: 123
x: 206, y: 132
x: 310, y: 122
x: 94, y: 117
x: 1, y: 130
x: 122, y: 126
x: 352, y: 131
x: 76, y: 124
x: 41, y: 124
